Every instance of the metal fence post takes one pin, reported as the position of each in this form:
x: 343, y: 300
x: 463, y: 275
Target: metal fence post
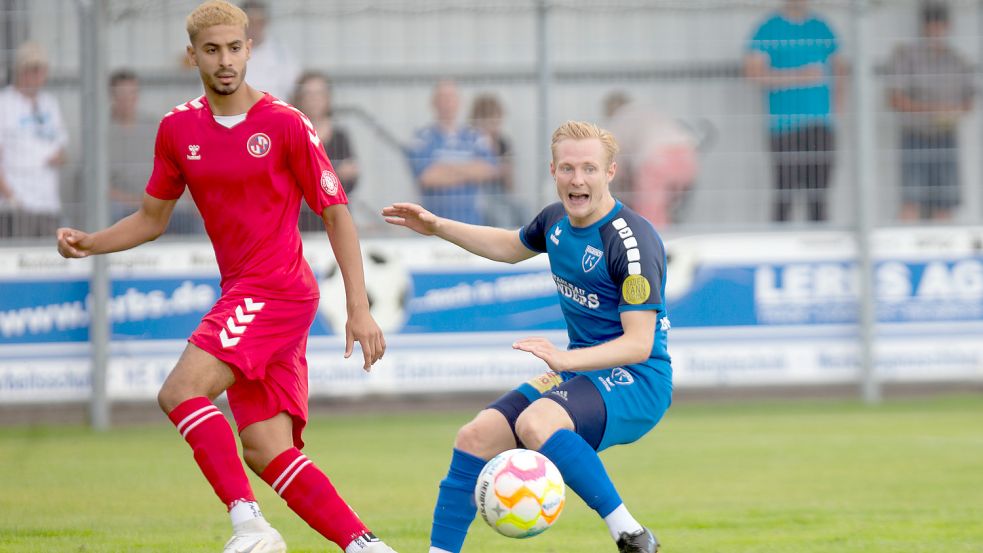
x: 95, y: 171
x: 544, y: 79
x: 863, y: 181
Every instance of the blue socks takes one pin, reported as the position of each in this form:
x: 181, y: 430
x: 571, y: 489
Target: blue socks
x: 582, y: 471
x: 455, y: 503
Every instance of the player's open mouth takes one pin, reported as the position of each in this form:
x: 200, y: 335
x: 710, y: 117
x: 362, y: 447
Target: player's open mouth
x: 578, y: 199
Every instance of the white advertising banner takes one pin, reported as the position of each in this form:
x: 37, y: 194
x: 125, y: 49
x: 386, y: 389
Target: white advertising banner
x: 751, y: 309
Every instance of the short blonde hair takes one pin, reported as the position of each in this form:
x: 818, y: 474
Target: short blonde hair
x: 581, y: 130
x: 215, y: 12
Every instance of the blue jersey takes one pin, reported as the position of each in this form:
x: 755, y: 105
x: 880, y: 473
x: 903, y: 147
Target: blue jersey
x: 791, y: 45
x: 617, y: 264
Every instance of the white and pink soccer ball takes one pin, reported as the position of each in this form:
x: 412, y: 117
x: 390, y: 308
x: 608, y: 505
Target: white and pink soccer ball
x: 520, y: 493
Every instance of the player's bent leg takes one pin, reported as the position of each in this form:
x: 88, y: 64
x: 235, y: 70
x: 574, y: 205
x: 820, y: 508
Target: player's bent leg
x: 549, y: 425
x: 477, y: 441
x: 186, y: 398
x: 269, y: 450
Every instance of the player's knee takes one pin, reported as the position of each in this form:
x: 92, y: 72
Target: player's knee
x: 169, y: 397
x: 257, y: 457
x: 471, y: 439
x: 534, y: 430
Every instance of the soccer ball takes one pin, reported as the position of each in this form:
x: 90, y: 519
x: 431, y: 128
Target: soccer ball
x: 520, y: 493
x: 387, y: 284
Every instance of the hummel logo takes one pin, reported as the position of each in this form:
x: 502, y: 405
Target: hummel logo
x: 237, y: 325
x: 193, y: 148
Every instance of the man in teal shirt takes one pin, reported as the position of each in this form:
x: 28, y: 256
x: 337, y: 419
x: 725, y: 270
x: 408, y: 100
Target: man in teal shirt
x: 793, y: 55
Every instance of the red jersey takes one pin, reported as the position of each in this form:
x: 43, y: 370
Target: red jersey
x: 247, y: 182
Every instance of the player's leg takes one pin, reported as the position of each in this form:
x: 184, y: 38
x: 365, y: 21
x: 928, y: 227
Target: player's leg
x: 186, y: 397
x: 487, y: 435
x: 269, y: 449
x: 572, y: 423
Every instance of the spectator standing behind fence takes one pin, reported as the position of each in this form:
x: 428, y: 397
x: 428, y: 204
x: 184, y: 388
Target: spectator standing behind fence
x: 793, y: 55
x: 500, y: 207
x: 451, y: 162
x: 131, y: 154
x: 931, y: 89
x: 658, y: 155
x: 272, y: 66
x: 312, y: 95
x: 32, y: 149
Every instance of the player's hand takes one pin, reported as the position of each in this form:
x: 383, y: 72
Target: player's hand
x: 411, y: 216
x: 362, y: 328
x: 72, y: 243
x: 557, y: 359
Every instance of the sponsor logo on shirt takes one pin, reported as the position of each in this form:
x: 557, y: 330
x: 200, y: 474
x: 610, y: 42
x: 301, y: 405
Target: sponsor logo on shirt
x: 591, y: 256
x: 329, y: 183
x: 576, y: 293
x: 193, y: 152
x: 636, y: 289
x: 258, y: 145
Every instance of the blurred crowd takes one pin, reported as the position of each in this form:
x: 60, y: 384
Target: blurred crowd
x: 462, y: 160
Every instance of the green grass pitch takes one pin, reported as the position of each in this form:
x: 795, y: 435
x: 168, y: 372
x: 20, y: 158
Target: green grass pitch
x: 799, y: 477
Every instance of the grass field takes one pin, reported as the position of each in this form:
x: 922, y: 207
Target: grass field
x: 805, y: 476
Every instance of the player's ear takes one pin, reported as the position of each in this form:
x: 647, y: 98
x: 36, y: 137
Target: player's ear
x: 612, y: 169
x: 552, y: 169
x: 249, y: 48
x: 191, y: 55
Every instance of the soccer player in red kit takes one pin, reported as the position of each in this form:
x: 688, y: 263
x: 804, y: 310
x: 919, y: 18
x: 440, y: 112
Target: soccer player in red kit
x: 248, y: 159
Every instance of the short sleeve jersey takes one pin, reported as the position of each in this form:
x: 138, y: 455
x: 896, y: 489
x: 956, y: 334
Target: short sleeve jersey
x: 617, y: 264
x: 790, y: 45
x: 247, y: 182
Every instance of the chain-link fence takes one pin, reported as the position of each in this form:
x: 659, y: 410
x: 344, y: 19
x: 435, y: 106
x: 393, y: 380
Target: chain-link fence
x: 732, y: 114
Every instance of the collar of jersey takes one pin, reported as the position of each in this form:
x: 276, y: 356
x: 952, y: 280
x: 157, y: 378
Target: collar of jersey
x: 603, y: 221
x: 266, y: 99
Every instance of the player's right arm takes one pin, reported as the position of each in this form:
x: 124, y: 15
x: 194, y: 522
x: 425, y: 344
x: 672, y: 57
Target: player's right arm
x: 493, y: 243
x: 146, y: 224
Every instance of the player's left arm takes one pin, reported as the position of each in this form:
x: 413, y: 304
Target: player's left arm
x: 634, y: 346
x: 361, y: 327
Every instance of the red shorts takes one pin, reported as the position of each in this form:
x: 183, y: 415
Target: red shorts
x: 265, y: 342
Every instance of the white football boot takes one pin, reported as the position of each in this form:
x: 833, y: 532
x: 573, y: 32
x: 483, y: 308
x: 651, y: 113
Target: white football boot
x: 378, y: 547
x: 255, y: 536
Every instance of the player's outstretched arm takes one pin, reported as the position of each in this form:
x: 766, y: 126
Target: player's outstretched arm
x: 634, y: 346
x: 361, y: 327
x: 492, y: 243
x: 146, y: 224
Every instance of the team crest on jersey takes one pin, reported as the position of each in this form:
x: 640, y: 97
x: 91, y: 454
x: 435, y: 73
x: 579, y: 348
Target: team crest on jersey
x: 329, y: 182
x: 591, y: 256
x: 258, y: 145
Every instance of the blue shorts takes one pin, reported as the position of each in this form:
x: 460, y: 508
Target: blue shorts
x: 608, y: 407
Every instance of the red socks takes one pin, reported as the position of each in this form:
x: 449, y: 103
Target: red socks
x: 310, y: 494
x: 208, y: 433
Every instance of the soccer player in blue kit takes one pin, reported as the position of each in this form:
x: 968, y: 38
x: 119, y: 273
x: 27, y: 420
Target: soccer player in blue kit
x: 614, y: 382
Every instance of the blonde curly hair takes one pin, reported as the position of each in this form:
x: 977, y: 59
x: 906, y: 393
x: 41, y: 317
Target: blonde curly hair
x: 215, y: 12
